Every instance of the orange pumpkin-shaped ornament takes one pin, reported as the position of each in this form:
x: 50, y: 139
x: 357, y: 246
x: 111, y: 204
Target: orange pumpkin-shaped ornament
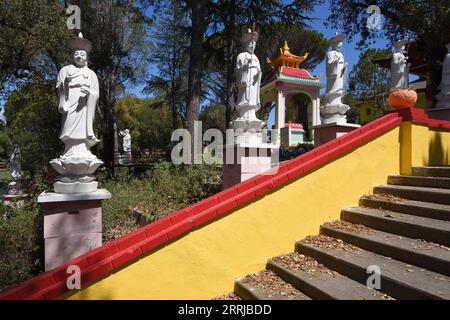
x: 402, y: 98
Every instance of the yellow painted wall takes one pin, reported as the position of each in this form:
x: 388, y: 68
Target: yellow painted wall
x: 430, y: 146
x: 204, y: 263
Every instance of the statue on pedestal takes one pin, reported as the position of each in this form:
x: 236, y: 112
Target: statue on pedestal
x: 126, y: 143
x: 399, y: 66
x: 444, y: 96
x: 14, y: 166
x: 334, y: 110
x: 78, y: 91
x: 248, y: 78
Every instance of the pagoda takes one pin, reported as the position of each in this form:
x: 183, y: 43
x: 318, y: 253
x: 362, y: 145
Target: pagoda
x: 294, y: 91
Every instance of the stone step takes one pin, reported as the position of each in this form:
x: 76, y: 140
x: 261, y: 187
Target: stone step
x: 399, y: 280
x: 420, y: 253
x: 417, y: 208
x: 420, y: 181
x: 266, y: 285
x: 416, y: 193
x: 324, y: 284
x: 415, y: 227
x: 443, y: 171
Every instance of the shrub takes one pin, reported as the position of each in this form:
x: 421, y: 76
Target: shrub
x: 20, y: 243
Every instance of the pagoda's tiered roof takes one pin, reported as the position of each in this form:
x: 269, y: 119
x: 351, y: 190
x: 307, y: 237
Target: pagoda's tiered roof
x: 287, y: 69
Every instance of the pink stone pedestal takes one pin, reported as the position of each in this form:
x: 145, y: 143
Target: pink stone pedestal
x: 72, y: 225
x: 244, y: 161
x: 327, y: 132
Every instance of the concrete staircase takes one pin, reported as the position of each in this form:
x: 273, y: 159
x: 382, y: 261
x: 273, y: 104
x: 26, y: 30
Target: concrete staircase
x: 403, y: 229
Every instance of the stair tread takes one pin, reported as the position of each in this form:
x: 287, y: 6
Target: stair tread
x: 412, y: 247
x: 402, y: 217
x: 432, y: 171
x: 420, y: 181
x: 329, y: 285
x: 429, y: 283
x: 415, y: 203
x: 415, y: 188
x: 266, y: 285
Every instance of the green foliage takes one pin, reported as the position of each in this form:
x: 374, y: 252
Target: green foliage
x: 295, y: 151
x: 367, y: 79
x: 34, y: 123
x: 163, y: 191
x: 20, y: 243
x: 149, y: 121
x: 213, y: 116
x: 5, y: 144
x: 30, y: 39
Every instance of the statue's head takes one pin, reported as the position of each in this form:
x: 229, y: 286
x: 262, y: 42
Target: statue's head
x: 79, y: 58
x: 80, y: 49
x: 249, y: 39
x: 400, y: 46
x: 337, y: 46
x: 336, y: 41
x: 251, y: 45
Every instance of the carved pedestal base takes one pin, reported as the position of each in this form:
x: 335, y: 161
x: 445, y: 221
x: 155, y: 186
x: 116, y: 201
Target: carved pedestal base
x: 334, y: 114
x: 327, y: 132
x: 72, y: 225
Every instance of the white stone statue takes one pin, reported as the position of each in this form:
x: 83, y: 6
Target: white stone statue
x: 248, y: 78
x: 334, y: 110
x: 126, y: 143
x: 78, y: 90
x: 14, y: 166
x: 399, y: 66
x: 444, y: 96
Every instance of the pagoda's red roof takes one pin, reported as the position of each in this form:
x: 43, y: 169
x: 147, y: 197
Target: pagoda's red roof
x: 297, y: 73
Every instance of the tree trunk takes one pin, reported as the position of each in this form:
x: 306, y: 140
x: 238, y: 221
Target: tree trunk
x: 230, y: 30
x: 198, y: 14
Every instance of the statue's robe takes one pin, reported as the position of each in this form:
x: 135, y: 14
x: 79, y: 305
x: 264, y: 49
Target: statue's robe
x: 398, y: 71
x: 78, y: 109
x: 335, y: 72
x: 248, y: 75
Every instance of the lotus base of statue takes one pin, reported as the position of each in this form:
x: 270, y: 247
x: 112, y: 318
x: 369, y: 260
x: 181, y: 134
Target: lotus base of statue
x: 76, y: 174
x: 402, y: 98
x: 335, y: 113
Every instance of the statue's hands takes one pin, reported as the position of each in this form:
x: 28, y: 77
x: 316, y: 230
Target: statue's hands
x: 85, y: 90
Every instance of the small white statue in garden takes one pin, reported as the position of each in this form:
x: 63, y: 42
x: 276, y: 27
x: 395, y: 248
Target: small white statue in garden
x: 126, y: 143
x: 336, y: 67
x: 248, y: 77
x: 78, y: 90
x: 444, y: 96
x: 15, y: 168
x: 399, y: 66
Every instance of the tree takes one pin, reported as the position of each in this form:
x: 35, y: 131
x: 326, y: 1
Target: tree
x: 428, y: 22
x: 30, y: 40
x: 199, y: 14
x: 34, y: 123
x: 369, y: 81
x: 170, y: 57
x: 149, y: 121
